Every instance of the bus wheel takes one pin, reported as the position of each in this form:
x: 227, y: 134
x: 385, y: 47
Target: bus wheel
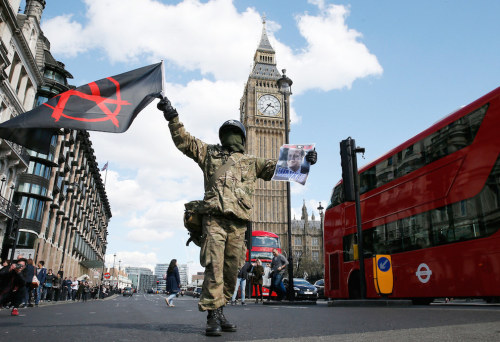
x: 354, y: 290
x: 422, y: 301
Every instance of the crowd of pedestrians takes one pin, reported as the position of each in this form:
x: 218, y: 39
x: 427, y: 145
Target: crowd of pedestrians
x: 22, y: 284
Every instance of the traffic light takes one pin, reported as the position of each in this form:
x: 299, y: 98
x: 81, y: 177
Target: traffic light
x: 347, y: 153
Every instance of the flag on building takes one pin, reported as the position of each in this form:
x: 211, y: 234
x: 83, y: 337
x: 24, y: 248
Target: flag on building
x: 107, y: 105
x: 105, y: 167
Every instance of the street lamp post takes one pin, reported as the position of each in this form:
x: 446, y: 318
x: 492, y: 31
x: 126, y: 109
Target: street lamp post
x: 12, y: 187
x: 285, y: 88
x: 3, y: 181
x: 119, y: 270
x: 320, y: 210
x: 114, y: 273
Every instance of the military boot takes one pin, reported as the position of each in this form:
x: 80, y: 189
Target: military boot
x: 224, y: 323
x: 213, y: 325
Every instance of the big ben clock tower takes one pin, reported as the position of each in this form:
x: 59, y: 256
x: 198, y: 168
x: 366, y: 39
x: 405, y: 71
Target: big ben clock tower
x: 263, y: 114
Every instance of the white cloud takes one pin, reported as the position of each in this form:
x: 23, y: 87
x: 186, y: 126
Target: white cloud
x: 211, y: 37
x: 132, y: 258
x: 144, y: 234
x: 333, y: 58
x: 215, y: 39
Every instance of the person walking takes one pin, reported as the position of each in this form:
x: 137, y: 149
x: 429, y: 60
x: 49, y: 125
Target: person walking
x: 173, y: 282
x: 241, y: 282
x: 257, y: 281
x: 230, y: 178
x: 278, y: 265
x: 12, y: 284
x: 28, y: 273
x: 41, y: 274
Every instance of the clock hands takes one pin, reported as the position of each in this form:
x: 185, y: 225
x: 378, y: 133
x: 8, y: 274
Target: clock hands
x: 268, y: 105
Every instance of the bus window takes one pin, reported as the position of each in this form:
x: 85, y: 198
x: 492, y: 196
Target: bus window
x: 367, y: 180
x: 265, y: 241
x: 385, y: 172
x: 348, y: 247
x: 337, y: 196
x: 455, y: 136
x: 254, y: 255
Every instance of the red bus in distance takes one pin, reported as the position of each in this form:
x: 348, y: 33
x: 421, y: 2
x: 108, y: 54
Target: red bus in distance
x: 433, y: 204
x: 263, y: 244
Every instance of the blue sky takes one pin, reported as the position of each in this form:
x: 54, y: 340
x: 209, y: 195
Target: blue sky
x: 378, y: 71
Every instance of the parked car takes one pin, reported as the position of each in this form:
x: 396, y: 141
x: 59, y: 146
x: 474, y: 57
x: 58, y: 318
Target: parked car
x: 128, y: 291
x: 320, y: 287
x: 303, y: 289
x: 151, y: 291
x: 197, y: 292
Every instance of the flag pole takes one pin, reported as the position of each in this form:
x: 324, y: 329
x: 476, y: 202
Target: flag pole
x: 106, y: 175
x: 162, y: 78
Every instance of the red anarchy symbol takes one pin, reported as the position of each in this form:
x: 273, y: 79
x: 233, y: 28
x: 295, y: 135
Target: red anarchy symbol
x: 96, y: 97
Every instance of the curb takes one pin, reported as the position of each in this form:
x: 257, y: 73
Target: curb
x: 369, y: 303
x: 288, y: 303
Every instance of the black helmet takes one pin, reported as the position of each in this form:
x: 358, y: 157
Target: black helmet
x: 233, y: 124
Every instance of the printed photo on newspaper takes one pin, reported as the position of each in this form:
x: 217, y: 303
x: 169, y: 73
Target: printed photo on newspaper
x: 292, y: 164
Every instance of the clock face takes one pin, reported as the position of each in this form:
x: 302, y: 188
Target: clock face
x: 269, y: 105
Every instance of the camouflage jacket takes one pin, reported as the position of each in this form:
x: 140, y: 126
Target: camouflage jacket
x: 231, y: 194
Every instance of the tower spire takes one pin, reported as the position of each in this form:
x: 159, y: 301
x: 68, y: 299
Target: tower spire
x: 304, y: 212
x: 264, y: 58
x: 264, y: 44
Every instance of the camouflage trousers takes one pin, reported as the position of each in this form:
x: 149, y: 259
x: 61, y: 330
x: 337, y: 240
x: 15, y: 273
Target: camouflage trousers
x: 222, y: 254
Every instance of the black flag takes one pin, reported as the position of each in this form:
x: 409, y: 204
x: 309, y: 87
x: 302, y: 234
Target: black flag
x: 107, y: 105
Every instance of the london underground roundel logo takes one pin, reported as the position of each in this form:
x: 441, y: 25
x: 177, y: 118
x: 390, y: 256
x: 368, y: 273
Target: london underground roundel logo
x: 423, y: 273
x: 384, y: 264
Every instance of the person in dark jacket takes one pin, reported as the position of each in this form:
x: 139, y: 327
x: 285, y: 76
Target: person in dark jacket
x: 47, y: 287
x: 56, y: 287
x: 241, y: 282
x: 28, y: 273
x: 12, y: 283
x: 173, y: 282
x: 258, y: 273
x: 41, y: 274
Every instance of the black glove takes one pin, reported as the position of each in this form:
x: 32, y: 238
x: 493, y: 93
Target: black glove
x: 165, y: 106
x: 312, y: 157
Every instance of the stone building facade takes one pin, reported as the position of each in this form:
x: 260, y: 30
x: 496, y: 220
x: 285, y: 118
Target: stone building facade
x: 307, y: 243
x: 64, y: 210
x: 265, y: 135
x: 20, y: 78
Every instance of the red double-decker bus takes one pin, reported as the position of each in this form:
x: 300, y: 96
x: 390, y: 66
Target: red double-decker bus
x: 263, y: 244
x: 433, y: 204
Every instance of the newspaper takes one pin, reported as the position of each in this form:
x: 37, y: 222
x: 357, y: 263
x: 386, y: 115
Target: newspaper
x: 292, y: 164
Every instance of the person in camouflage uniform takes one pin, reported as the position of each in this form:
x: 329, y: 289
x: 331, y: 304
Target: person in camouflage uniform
x: 227, y: 208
